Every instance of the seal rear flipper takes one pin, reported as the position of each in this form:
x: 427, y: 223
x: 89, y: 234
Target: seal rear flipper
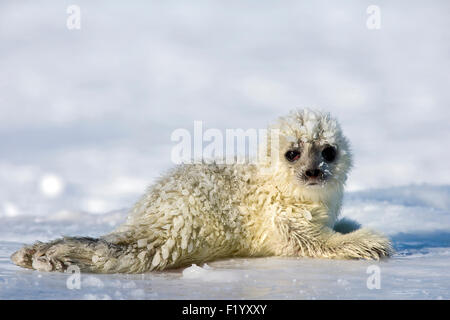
x: 24, y: 257
x: 89, y: 254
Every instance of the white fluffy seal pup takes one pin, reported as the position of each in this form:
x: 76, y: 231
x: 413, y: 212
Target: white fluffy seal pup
x: 202, y: 212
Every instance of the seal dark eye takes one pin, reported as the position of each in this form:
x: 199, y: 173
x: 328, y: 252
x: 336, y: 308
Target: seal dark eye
x: 292, y: 155
x: 329, y: 154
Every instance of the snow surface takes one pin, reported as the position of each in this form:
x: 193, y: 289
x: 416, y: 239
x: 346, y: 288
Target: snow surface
x: 419, y: 270
x: 86, y: 118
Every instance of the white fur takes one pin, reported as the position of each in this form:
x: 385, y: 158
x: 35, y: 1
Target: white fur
x: 201, y: 212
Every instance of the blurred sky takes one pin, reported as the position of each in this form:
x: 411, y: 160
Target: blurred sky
x: 96, y: 106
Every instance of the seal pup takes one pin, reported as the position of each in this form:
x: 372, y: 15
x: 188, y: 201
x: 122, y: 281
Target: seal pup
x: 202, y: 212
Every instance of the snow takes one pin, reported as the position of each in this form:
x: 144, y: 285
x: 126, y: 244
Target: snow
x: 208, y: 274
x: 87, y: 116
x: 418, y: 226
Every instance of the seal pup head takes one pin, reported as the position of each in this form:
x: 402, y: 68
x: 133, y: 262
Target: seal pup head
x: 313, y: 156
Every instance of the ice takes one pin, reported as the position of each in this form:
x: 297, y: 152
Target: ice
x: 206, y: 273
x: 87, y: 115
x: 90, y: 296
x: 91, y: 281
x: 419, y: 270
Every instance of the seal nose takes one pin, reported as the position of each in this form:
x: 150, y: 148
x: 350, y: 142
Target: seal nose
x: 313, y: 173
